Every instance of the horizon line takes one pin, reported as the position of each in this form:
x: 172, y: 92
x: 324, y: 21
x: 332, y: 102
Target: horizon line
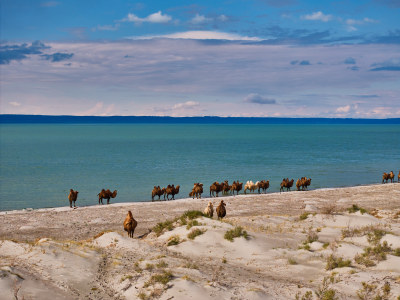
x: 74, y: 119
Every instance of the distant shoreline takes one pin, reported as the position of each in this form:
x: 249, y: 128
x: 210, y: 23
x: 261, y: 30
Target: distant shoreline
x: 179, y: 200
x: 66, y: 119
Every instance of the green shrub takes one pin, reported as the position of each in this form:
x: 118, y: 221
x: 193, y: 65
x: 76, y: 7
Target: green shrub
x: 304, y: 216
x: 195, y: 232
x: 159, y: 228
x: 334, y: 262
x: 355, y: 208
x: 162, y: 278
x: 236, y: 232
x: 174, y: 240
x: 192, y: 223
x: 192, y: 214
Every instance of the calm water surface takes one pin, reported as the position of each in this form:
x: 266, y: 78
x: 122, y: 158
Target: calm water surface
x: 40, y: 163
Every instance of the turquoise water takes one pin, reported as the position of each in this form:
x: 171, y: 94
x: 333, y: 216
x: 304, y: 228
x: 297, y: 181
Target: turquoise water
x: 41, y: 162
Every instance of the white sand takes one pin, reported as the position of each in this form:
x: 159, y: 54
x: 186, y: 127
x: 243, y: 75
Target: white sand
x: 270, y: 264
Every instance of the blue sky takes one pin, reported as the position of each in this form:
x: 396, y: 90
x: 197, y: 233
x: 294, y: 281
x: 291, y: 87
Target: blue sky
x: 231, y: 58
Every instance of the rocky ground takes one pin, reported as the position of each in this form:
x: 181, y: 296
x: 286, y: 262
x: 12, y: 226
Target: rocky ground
x: 294, y: 244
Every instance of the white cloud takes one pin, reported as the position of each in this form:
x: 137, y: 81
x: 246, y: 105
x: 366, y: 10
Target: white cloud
x: 99, y: 109
x: 222, y: 18
x: 108, y: 27
x: 186, y: 105
x: 343, y: 109
x: 157, y: 17
x: 13, y: 103
x: 318, y: 16
x: 200, y: 19
x: 202, y: 35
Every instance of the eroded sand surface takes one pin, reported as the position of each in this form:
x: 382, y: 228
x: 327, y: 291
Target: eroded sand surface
x: 84, y: 253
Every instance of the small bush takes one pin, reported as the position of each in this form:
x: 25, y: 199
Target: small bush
x: 162, y: 278
x: 304, y: 216
x: 292, y: 261
x: 324, y: 292
x: 397, y: 252
x: 159, y: 228
x: 312, y: 236
x: 328, y: 209
x: 224, y: 260
x: 149, y: 266
x: 192, y: 214
x: 355, y: 208
x: 174, y: 240
x: 334, y: 262
x: 362, y: 260
x: 192, y: 223
x: 162, y: 264
x: 191, y: 266
x: 236, y: 232
x: 307, y: 296
x: 371, y: 291
x: 195, y: 232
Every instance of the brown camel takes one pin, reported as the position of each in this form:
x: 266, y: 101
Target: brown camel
x: 226, y: 188
x: 130, y: 224
x: 221, y: 211
x: 157, y: 191
x: 73, y: 195
x: 385, y: 177
x: 197, y: 190
x: 286, y: 184
x: 106, y: 194
x: 391, y: 176
x: 236, y: 186
x: 303, y: 183
x: 172, y: 190
x: 215, y: 188
x: 263, y: 185
x: 398, y: 177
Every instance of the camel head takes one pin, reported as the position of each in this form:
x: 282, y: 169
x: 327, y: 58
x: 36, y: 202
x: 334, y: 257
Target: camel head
x: 130, y: 214
x: 222, y: 203
x: 114, y: 194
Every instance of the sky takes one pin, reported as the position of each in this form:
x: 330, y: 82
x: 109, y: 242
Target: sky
x: 252, y: 58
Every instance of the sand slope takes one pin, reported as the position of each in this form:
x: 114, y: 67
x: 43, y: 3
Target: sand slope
x: 85, y: 254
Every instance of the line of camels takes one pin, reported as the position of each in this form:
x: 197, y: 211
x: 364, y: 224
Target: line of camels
x: 171, y: 190
x: 226, y: 189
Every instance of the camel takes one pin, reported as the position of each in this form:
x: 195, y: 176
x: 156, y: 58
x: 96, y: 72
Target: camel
x: 221, y: 211
x: 385, y: 177
x: 197, y: 190
x: 303, y: 183
x: 398, y: 177
x: 250, y: 186
x: 209, y: 210
x: 391, y: 176
x: 226, y: 188
x: 264, y: 185
x: 106, y: 194
x: 172, y: 190
x: 299, y: 183
x: 286, y: 184
x: 215, y: 188
x: 236, y: 186
x: 72, y: 197
x: 130, y: 224
x: 157, y: 191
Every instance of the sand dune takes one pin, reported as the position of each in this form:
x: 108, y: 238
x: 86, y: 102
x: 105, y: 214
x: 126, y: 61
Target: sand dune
x: 85, y: 254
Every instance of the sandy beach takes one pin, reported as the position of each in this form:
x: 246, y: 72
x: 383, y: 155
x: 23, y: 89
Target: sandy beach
x: 297, y: 243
